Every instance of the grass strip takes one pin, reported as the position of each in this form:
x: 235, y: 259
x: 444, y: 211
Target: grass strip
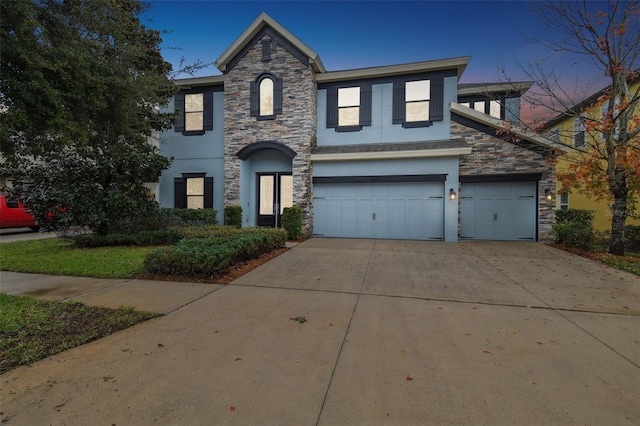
x: 32, y: 329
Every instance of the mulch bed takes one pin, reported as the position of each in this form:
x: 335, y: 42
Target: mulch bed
x: 598, y: 256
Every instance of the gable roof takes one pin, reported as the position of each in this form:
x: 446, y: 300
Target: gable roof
x: 586, y: 103
x: 265, y: 21
x: 496, y: 124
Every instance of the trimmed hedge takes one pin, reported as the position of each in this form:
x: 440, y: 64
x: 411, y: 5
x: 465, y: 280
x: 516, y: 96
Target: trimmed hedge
x: 142, y: 238
x: 632, y: 238
x: 292, y: 222
x: 233, y: 216
x: 212, y: 256
x: 192, y: 217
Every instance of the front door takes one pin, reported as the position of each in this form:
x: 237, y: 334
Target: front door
x: 275, y: 192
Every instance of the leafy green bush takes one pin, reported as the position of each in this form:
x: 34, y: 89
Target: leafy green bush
x: 575, y: 215
x: 292, y: 222
x: 632, y: 238
x: 573, y: 234
x: 212, y: 256
x: 574, y: 227
x: 192, y: 217
x: 233, y: 216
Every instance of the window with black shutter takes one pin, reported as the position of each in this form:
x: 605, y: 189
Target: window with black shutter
x: 349, y: 107
x: 194, y: 112
x: 193, y: 191
x: 418, y: 103
x: 265, y: 97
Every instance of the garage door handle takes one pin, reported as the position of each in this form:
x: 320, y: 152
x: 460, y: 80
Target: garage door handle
x: 495, y: 216
x: 374, y: 216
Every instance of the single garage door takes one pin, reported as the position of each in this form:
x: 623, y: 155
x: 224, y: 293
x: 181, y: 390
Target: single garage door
x: 498, y: 211
x: 379, y: 210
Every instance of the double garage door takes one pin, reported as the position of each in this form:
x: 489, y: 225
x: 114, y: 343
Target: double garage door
x: 379, y: 210
x: 498, y: 211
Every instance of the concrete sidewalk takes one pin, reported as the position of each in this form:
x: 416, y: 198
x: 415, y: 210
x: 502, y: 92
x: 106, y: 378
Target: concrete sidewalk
x: 396, y: 332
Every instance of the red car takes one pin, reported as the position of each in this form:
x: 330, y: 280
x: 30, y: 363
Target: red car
x: 13, y: 214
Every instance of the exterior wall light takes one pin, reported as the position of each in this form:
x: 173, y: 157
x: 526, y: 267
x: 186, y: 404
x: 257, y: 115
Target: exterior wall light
x: 547, y: 194
x: 452, y: 194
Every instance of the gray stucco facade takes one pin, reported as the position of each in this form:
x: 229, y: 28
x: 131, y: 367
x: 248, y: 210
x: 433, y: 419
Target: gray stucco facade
x: 371, y: 179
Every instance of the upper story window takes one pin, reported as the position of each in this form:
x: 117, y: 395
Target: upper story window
x: 491, y: 107
x: 194, y: 110
x: 418, y: 103
x: 266, y: 96
x: 417, y: 96
x: 349, y: 106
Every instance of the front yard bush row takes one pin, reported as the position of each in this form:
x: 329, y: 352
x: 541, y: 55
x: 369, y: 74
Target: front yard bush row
x: 212, y: 256
x: 194, y: 244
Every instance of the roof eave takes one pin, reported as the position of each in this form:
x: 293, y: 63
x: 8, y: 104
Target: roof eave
x: 497, y: 124
x: 459, y: 63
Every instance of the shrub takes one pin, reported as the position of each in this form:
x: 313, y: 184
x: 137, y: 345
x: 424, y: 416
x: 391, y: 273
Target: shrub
x: 192, y: 217
x: 574, y: 227
x: 212, y: 256
x: 292, y: 222
x: 573, y: 234
x: 233, y: 216
x: 575, y: 215
x: 632, y: 238
x: 142, y: 238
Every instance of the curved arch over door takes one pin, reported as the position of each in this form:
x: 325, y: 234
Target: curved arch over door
x: 246, y: 152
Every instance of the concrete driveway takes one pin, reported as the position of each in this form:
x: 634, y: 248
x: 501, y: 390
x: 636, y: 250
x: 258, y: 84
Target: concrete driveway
x: 396, y: 332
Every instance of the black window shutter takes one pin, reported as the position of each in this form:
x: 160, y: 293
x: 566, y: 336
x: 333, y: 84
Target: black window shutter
x: 277, y: 96
x: 254, y: 100
x: 179, y: 109
x: 179, y: 193
x: 436, y: 103
x: 398, y: 113
x: 332, y: 107
x: 208, y: 192
x: 365, y: 104
x: 208, y: 111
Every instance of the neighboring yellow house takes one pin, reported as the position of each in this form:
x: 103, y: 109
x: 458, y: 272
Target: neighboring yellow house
x: 568, y: 129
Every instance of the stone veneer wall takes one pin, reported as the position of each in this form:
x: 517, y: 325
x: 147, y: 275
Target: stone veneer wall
x: 491, y: 155
x: 295, y: 127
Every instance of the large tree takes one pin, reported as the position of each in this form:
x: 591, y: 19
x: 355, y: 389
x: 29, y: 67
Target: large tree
x: 604, y: 35
x: 81, y: 83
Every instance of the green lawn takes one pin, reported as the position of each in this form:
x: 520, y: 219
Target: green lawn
x: 33, y: 329
x: 57, y: 257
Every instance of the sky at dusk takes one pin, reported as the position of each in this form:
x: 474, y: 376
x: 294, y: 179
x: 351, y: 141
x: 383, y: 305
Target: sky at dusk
x: 357, y: 34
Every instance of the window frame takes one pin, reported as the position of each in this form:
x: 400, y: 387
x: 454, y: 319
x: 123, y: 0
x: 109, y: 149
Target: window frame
x: 207, y: 113
x: 427, y: 100
x: 255, y: 101
x: 436, y: 99
x: 364, y: 106
x: 180, y: 196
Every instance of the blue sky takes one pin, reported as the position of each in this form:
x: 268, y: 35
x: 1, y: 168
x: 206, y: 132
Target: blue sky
x: 356, y: 34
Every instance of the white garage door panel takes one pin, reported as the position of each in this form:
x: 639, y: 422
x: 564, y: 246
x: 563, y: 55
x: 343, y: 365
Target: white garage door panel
x: 498, y: 211
x: 395, y: 210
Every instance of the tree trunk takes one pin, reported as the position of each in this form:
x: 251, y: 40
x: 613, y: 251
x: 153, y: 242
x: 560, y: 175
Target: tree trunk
x: 616, y: 245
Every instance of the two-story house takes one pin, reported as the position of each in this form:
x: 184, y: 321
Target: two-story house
x: 400, y: 151
x: 569, y: 128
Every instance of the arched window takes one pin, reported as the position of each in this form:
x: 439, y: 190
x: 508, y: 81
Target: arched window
x: 266, y: 96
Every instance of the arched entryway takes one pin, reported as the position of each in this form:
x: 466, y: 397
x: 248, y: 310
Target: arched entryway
x: 266, y: 182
